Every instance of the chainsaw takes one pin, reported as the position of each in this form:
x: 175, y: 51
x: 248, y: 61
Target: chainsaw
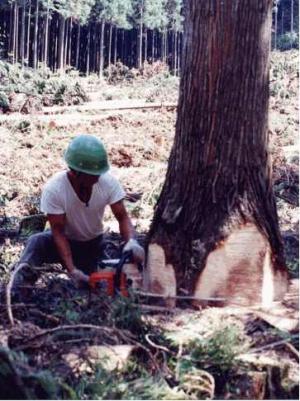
x: 110, y: 278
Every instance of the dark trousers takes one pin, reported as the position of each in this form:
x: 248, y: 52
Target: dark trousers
x: 40, y: 248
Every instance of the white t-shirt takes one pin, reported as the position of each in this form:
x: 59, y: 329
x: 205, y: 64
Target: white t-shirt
x: 83, y: 222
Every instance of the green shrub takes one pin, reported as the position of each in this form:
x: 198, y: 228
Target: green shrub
x: 217, y: 352
x: 53, y: 89
x: 4, y: 102
x: 289, y: 40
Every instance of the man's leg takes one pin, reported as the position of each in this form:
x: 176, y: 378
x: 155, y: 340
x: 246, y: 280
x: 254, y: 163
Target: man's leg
x: 87, y: 254
x: 40, y: 248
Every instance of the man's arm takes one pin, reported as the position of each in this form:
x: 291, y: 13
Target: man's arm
x: 125, y: 226
x: 57, y: 224
x: 127, y: 232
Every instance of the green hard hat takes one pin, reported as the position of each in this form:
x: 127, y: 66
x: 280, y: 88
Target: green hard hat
x: 87, y: 154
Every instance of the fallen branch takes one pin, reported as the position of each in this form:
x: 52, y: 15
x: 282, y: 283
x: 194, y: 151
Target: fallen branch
x: 38, y: 313
x: 271, y: 345
x: 125, y: 335
x: 108, y: 105
x: 8, y: 292
x: 182, y: 297
x: 293, y: 350
x: 147, y: 337
x: 153, y: 308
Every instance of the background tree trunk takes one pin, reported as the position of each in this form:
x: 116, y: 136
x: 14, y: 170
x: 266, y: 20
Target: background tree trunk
x: 215, y: 229
x: 292, y: 16
x: 115, y: 44
x: 101, y: 50
x: 28, y: 32
x: 61, y: 44
x: 77, y: 46
x: 46, y: 35
x: 140, y: 37
x: 110, y: 46
x: 88, y: 50
x: 22, y: 40
x: 35, y: 40
x: 276, y: 26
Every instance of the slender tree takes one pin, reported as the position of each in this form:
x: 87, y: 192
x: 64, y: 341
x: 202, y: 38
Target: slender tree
x: 35, y: 38
x: 28, y: 33
x: 155, y: 18
x: 175, y: 18
x: 215, y: 229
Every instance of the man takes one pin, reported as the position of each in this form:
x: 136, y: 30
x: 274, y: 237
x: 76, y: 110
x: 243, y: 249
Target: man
x: 74, y: 202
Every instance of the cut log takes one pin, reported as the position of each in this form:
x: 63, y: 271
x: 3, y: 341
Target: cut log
x: 108, y: 105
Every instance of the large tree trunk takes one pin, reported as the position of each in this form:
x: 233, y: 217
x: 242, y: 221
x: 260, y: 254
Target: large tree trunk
x: 215, y: 229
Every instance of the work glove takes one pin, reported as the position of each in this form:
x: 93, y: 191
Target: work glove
x: 138, y: 252
x: 78, y: 277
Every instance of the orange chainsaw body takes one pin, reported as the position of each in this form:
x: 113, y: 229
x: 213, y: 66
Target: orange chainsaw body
x: 105, y: 281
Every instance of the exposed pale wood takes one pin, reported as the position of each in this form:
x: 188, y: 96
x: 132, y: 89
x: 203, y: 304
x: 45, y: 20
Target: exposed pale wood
x: 159, y: 277
x: 281, y: 317
x: 240, y: 270
x: 132, y: 272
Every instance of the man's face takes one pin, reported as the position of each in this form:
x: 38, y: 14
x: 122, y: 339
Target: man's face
x: 87, y: 180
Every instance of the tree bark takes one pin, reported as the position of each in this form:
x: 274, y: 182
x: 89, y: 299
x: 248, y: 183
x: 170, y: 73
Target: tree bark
x: 215, y: 228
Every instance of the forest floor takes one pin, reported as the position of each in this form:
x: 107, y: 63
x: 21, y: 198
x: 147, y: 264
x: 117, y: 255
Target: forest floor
x: 182, y: 354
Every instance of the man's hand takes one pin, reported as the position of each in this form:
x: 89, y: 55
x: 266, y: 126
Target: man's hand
x: 78, y: 277
x: 138, y: 252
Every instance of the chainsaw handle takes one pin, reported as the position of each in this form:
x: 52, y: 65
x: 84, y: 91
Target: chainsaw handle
x: 125, y: 257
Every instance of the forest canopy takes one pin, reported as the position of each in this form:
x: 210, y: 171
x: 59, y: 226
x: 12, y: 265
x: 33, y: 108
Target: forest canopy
x: 90, y: 35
